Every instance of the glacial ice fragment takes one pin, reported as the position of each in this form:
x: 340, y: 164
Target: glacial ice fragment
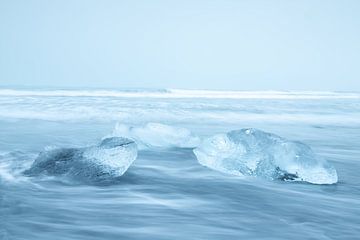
x: 157, y: 135
x: 109, y: 159
x: 252, y: 152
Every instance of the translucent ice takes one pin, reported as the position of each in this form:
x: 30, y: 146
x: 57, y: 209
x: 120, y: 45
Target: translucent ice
x: 252, y: 152
x: 109, y: 159
x: 158, y: 135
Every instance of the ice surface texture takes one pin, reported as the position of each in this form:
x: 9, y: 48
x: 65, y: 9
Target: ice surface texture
x: 110, y: 159
x: 157, y: 135
x: 252, y: 152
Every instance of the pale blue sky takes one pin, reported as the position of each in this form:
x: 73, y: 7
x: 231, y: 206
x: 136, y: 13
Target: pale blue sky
x: 214, y: 44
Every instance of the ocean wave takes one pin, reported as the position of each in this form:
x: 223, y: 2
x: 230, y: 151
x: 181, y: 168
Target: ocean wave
x: 157, y: 135
x: 197, y: 107
x: 174, y: 116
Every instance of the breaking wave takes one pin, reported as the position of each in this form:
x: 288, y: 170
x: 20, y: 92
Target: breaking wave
x: 183, y: 93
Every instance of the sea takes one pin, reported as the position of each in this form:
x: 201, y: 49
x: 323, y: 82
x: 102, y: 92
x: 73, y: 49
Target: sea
x: 166, y: 193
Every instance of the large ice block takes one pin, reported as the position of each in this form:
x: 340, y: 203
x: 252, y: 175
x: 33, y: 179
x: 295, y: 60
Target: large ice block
x: 252, y: 152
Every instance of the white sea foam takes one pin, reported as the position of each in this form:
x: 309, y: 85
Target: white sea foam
x: 12, y: 164
x: 5, y: 173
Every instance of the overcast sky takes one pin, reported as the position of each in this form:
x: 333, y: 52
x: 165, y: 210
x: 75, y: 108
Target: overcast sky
x: 213, y: 44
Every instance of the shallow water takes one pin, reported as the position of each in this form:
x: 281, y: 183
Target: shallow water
x: 166, y: 194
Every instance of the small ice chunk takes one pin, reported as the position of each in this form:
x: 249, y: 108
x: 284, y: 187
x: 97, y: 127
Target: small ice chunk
x: 252, y: 152
x: 157, y: 135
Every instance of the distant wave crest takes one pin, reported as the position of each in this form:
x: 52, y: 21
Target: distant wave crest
x: 183, y: 93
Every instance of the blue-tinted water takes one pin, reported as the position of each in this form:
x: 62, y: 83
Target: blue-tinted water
x: 166, y: 193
